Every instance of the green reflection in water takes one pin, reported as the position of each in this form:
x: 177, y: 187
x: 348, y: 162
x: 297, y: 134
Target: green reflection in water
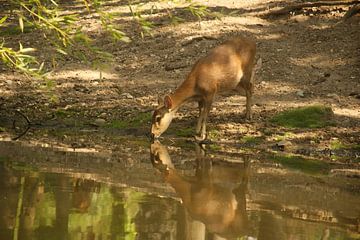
x: 53, y: 206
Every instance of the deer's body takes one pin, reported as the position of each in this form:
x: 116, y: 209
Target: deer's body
x: 230, y: 66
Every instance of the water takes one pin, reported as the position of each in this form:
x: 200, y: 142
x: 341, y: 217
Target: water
x: 173, y: 194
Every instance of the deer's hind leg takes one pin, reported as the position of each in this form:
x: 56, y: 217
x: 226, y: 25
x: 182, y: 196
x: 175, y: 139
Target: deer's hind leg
x: 248, y: 113
x: 246, y: 84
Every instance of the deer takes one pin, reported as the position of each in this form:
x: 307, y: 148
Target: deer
x: 215, y: 196
x: 228, y: 67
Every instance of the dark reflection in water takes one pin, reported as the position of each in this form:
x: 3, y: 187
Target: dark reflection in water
x: 217, y: 202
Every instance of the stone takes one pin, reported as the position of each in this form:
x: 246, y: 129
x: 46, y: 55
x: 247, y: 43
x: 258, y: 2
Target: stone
x: 99, y: 122
x: 300, y: 93
x: 282, y: 145
x: 127, y: 96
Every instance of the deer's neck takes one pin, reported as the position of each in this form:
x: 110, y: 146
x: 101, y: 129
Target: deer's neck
x: 182, y: 94
x: 181, y: 186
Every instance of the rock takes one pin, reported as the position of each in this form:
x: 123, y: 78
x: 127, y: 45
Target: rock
x: 334, y: 96
x: 102, y: 115
x: 9, y: 82
x: 80, y: 88
x: 127, y: 96
x: 263, y: 83
x: 99, y: 122
x: 282, y: 145
x: 300, y: 93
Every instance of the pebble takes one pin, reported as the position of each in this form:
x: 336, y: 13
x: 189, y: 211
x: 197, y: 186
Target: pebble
x: 127, y: 96
x: 334, y: 96
x: 282, y: 145
x: 300, y: 93
x: 9, y: 82
x: 99, y: 122
x: 102, y: 115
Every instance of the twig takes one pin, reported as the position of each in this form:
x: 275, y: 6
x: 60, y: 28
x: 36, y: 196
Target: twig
x: 24, y: 116
x: 27, y: 128
x: 198, y: 38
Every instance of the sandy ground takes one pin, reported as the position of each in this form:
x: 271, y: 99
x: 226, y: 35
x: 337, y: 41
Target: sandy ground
x: 308, y: 57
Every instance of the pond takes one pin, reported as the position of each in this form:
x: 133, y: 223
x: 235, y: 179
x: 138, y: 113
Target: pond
x: 171, y: 191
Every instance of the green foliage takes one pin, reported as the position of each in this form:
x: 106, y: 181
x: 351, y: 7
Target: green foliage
x: 107, y: 20
x: 145, y: 25
x: 252, y: 139
x: 62, y: 113
x: 142, y: 119
x: 283, y: 136
x: 61, y: 31
x: 299, y: 163
x: 185, y: 132
x: 215, y: 147
x: 214, y: 134
x: 336, y: 144
x: 21, y: 60
x: 198, y: 11
x: 15, y: 30
x: 305, y: 117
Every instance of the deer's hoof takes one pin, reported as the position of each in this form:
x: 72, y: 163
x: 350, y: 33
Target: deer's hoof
x: 199, y: 138
x: 248, y: 116
x: 202, y: 140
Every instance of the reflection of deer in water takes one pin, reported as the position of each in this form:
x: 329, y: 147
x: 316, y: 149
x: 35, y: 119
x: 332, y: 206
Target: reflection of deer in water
x: 221, y: 208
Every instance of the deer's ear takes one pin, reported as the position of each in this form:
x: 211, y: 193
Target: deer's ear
x: 168, y: 102
x: 159, y: 100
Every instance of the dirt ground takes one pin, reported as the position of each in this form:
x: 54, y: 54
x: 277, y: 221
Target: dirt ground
x: 308, y: 57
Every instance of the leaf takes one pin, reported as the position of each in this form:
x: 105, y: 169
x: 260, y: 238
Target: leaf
x: 41, y: 67
x: 53, y: 2
x: 25, y: 50
x: 3, y: 20
x: 61, y: 51
x: 125, y: 39
x: 21, y: 23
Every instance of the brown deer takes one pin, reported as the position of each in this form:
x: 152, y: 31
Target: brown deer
x: 215, y: 197
x: 229, y: 66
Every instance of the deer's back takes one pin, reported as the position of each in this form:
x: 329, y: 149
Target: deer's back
x: 223, y: 68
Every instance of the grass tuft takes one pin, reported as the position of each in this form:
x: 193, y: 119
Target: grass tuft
x: 252, y: 139
x: 185, y: 132
x: 141, y: 120
x: 316, y: 116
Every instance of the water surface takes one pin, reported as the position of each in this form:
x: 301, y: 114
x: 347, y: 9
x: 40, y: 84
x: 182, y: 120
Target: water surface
x: 159, y: 193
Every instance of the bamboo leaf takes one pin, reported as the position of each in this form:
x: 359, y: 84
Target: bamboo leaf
x: 2, y: 20
x: 61, y: 51
x: 41, y: 67
x: 21, y: 23
x: 25, y: 50
x: 53, y: 2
